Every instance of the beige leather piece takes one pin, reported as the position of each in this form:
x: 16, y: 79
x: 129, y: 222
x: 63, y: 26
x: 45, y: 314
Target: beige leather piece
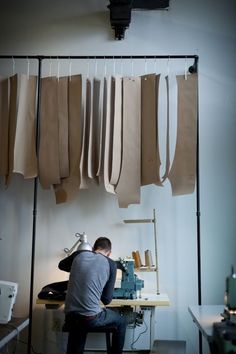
x: 101, y: 134
x: 149, y: 131
x: 49, y: 172
x: 116, y: 148
x: 63, y: 126
x: 12, y: 126
x: 167, y: 167
x: 90, y: 162
x: 109, y: 119
x: 93, y: 148
x: 69, y: 187
x: 128, y: 187
x: 25, y: 160
x: 183, y: 170
x: 85, y: 138
x: 4, y: 125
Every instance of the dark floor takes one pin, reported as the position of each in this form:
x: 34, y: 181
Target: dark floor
x: 159, y: 347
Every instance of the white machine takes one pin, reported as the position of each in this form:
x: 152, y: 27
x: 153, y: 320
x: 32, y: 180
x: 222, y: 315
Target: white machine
x: 8, y: 291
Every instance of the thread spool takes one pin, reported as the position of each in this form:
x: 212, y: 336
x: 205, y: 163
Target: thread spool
x: 137, y: 259
x: 148, y: 258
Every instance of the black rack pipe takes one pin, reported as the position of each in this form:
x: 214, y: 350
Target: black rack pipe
x: 198, y: 212
x: 35, y: 198
x: 192, y: 69
x: 187, y: 56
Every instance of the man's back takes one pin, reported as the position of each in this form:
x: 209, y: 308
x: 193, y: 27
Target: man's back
x: 89, y: 274
x: 92, y: 279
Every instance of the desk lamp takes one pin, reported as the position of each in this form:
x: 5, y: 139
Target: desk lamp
x: 84, y: 244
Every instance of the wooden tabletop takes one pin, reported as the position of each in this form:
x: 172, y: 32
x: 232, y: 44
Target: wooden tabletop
x: 145, y: 300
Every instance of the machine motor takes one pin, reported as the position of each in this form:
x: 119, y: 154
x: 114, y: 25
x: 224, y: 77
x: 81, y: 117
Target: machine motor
x: 131, y: 285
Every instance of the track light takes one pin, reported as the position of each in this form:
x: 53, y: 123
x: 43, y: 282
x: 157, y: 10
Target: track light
x: 120, y: 16
x: 120, y: 12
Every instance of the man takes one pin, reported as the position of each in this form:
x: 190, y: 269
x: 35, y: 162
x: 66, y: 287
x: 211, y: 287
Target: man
x: 92, y: 279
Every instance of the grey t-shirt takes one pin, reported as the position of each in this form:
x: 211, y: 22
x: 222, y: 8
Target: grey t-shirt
x: 92, y: 278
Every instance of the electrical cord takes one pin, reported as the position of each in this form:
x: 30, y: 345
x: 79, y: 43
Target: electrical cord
x: 144, y: 331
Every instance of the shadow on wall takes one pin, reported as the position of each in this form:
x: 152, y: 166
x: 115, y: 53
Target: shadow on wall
x: 31, y: 34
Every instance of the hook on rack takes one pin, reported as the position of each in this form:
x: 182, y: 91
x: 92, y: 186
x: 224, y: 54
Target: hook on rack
x: 114, y: 66
x: 70, y: 68
x: 28, y: 68
x: 58, y: 69
x: 185, y: 70
x: 194, y: 68
x: 132, y: 66
x: 121, y: 66
x: 155, y: 65
x: 168, y: 66
x: 50, y: 67
x: 145, y: 65
x: 13, y: 66
x: 95, y: 66
x: 88, y: 69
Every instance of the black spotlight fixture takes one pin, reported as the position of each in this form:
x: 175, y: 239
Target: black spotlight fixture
x: 120, y: 16
x: 120, y: 12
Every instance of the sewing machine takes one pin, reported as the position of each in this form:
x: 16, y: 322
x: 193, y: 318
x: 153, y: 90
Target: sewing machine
x: 230, y: 298
x: 224, y: 332
x: 8, y: 292
x: 130, y: 285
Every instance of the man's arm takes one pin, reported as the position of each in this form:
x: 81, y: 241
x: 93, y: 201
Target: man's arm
x: 107, y: 294
x: 66, y: 263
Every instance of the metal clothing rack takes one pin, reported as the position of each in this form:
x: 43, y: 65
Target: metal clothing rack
x: 192, y: 69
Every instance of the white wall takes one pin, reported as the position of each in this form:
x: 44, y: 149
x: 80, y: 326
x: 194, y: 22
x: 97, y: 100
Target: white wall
x: 82, y: 28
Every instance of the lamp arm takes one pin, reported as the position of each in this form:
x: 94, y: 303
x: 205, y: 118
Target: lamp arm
x: 81, y: 238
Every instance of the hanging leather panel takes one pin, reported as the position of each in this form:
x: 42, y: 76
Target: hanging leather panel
x: 109, y: 87
x: 101, y: 134
x: 4, y: 126
x: 69, y: 187
x: 116, y: 147
x: 183, y: 170
x: 12, y: 126
x: 93, y: 148
x: 149, y: 130
x: 167, y: 166
x: 63, y: 126
x: 25, y: 160
x: 128, y: 188
x: 85, y: 137
x: 49, y: 172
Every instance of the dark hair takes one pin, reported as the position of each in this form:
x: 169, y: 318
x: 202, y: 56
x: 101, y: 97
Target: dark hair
x: 102, y: 243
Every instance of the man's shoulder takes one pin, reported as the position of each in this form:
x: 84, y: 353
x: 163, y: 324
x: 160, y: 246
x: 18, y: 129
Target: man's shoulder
x: 102, y: 258
x: 112, y: 263
x: 84, y: 253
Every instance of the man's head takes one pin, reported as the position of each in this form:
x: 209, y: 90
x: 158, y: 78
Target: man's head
x: 102, y: 245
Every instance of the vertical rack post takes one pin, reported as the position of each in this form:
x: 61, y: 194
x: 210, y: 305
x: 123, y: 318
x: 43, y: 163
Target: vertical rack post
x: 156, y: 253
x: 198, y: 213
x: 35, y: 196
